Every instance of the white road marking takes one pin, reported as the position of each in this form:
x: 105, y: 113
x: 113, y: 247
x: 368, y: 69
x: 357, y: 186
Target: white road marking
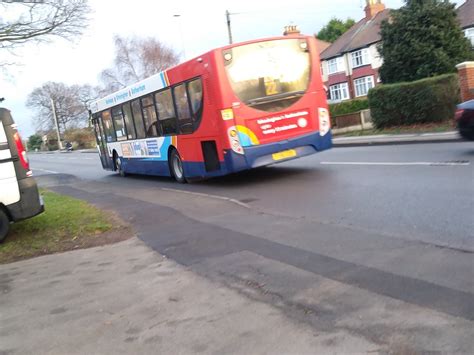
x: 237, y: 202
x: 416, y: 163
x: 46, y: 171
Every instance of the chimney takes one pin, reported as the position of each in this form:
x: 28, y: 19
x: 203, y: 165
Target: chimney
x: 291, y: 30
x: 373, y: 8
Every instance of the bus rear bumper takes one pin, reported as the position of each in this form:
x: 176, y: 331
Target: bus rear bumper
x: 262, y: 155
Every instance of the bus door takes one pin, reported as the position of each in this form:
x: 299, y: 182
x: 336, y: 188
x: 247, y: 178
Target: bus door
x: 102, y: 144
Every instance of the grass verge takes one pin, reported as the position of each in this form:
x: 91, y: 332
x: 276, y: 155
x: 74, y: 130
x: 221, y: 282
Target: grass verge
x: 440, y: 127
x: 66, y: 224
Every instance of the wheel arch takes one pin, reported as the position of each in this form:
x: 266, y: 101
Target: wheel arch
x: 170, y: 149
x: 7, y: 212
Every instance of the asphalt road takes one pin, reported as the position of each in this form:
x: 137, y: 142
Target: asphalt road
x: 376, y: 242
x: 420, y: 192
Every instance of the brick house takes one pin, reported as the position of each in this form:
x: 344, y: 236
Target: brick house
x: 466, y: 18
x: 350, y: 66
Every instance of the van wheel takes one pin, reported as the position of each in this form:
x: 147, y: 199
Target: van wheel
x: 118, y: 165
x: 176, y: 166
x: 4, y: 225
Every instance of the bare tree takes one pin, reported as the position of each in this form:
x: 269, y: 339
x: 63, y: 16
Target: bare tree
x: 70, y: 103
x: 41, y: 20
x: 136, y: 59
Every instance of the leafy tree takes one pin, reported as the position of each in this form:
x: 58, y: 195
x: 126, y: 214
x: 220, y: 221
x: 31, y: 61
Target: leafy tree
x: 334, y: 29
x: 421, y: 39
x: 70, y: 103
x: 34, y: 21
x: 136, y: 59
x: 34, y: 142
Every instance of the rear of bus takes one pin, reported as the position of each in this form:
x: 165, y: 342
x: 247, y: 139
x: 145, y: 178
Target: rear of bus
x: 274, y: 104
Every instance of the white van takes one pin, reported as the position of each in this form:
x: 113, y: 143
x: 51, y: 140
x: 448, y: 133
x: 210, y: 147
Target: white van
x: 19, y: 197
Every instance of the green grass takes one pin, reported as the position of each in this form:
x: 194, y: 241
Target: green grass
x: 445, y: 126
x: 66, y: 224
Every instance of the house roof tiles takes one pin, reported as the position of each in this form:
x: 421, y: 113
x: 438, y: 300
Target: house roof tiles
x: 466, y: 14
x: 362, y: 34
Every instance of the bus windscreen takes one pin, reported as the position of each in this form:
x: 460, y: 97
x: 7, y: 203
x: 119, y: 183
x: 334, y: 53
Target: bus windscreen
x: 271, y: 75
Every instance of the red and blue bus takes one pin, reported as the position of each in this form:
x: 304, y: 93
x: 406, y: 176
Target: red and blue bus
x: 234, y: 108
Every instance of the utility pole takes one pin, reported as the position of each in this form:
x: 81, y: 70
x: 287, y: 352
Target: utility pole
x: 229, y: 30
x: 178, y: 17
x: 60, y: 145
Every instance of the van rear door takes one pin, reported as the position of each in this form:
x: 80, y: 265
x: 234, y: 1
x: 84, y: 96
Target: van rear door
x: 9, y: 190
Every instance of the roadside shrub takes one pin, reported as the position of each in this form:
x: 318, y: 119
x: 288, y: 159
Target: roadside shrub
x: 422, y: 101
x: 349, y: 106
x: 34, y: 142
x: 81, y: 138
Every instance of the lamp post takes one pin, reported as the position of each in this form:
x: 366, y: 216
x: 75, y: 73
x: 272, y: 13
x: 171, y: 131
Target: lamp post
x: 229, y: 29
x: 53, y: 108
x: 178, y: 16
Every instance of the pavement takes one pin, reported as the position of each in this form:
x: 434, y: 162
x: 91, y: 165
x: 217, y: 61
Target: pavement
x: 387, y: 139
x: 127, y: 299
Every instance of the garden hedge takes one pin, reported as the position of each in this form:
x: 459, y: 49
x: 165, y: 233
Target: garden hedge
x: 346, y: 107
x: 422, y: 101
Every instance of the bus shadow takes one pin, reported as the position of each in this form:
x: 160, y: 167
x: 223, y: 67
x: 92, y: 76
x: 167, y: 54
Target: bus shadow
x: 257, y: 176
x: 263, y: 175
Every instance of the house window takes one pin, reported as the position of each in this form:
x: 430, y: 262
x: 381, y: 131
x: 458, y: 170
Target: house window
x: 335, y: 65
x: 339, y: 92
x: 360, y: 58
x: 362, y: 85
x: 470, y: 35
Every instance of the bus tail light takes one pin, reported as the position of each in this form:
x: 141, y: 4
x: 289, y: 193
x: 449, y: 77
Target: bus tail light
x: 324, y: 121
x: 234, y: 140
x: 21, y: 151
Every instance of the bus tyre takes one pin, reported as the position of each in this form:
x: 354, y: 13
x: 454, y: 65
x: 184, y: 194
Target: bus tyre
x: 176, y: 166
x: 4, y: 225
x: 118, y: 165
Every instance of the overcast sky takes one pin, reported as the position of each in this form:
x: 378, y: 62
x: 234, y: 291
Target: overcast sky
x: 202, y: 25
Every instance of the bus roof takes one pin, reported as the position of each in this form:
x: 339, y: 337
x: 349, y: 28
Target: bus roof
x: 160, y: 80
x: 153, y: 83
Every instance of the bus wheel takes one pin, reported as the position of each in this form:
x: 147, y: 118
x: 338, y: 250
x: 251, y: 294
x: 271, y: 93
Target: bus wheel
x: 118, y: 165
x: 176, y: 166
x: 4, y: 225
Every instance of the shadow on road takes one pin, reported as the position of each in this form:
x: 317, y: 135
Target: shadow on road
x: 263, y: 175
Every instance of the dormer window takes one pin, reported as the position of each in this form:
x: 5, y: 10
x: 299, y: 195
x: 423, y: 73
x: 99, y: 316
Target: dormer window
x: 360, y: 58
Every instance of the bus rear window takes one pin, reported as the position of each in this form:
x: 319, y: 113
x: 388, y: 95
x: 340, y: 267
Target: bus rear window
x: 269, y: 76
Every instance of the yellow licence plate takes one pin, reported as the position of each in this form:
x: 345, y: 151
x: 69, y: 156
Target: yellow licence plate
x: 290, y: 153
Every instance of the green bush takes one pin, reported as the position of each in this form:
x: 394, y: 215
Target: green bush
x: 350, y: 106
x: 80, y: 138
x: 34, y: 142
x: 422, y: 101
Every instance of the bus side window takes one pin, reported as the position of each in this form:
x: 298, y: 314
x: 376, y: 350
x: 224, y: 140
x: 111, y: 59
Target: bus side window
x: 149, y: 114
x: 138, y: 119
x: 195, y: 96
x: 166, y: 114
x: 127, y: 114
x: 119, y: 125
x: 185, y: 120
x: 108, y: 126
